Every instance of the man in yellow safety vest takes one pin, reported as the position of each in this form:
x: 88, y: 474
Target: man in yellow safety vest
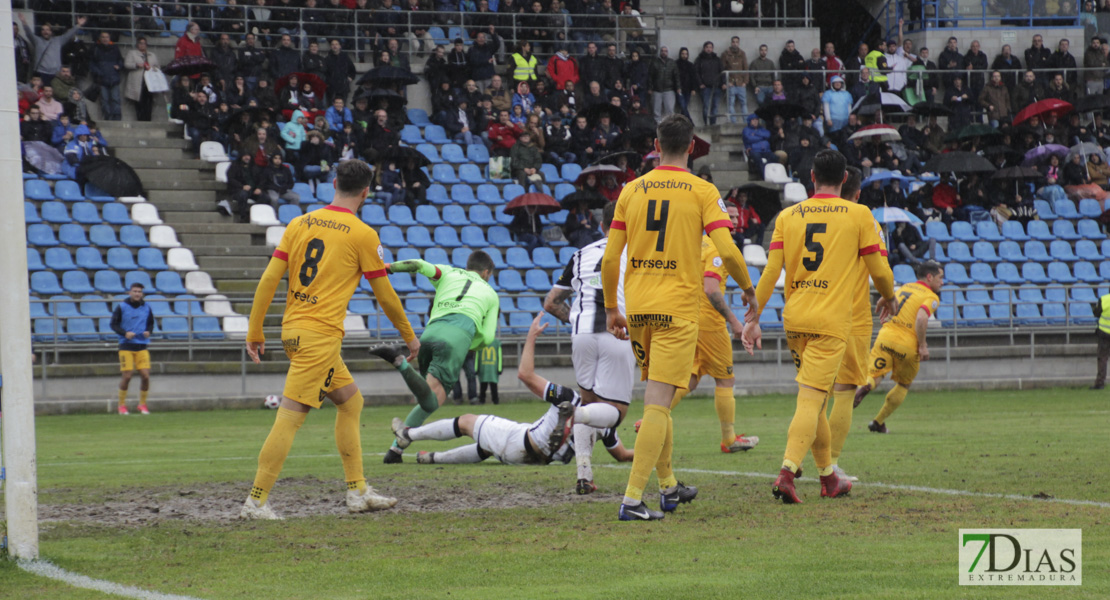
x: 1102, y: 311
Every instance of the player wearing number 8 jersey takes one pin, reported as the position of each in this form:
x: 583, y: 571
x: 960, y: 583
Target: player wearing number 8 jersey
x: 326, y: 253
x: 660, y: 217
x: 821, y: 242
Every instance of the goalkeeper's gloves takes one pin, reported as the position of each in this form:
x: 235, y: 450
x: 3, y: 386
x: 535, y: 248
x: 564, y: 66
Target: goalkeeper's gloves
x: 404, y: 266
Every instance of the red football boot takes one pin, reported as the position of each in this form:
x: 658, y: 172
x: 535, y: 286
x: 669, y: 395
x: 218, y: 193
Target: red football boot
x: 834, y: 487
x: 783, y: 488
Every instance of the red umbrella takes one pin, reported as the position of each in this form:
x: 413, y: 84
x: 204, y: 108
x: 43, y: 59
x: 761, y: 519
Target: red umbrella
x: 701, y: 148
x: 540, y: 204
x: 1042, y: 108
x: 318, y: 85
x: 601, y: 171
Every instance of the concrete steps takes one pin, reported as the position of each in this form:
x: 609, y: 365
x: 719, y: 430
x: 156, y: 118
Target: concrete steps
x: 225, y: 250
x: 202, y: 215
x: 182, y: 199
x: 130, y: 153
x: 174, y: 163
x: 187, y: 183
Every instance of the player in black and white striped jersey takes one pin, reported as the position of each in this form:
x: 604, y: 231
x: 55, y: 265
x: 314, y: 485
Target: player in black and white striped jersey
x: 604, y: 366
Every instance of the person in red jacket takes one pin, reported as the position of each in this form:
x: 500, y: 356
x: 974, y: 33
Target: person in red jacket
x: 189, y: 45
x: 948, y: 202
x: 503, y: 134
x: 562, y: 68
x: 749, y: 225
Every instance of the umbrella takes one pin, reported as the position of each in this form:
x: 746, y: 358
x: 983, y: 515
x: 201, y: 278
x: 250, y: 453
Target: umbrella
x: 1042, y: 108
x: 112, y: 175
x: 616, y: 115
x: 701, y: 148
x: 536, y: 203
x: 977, y: 130
x: 764, y: 197
x: 1086, y: 149
x: 318, y: 85
x: 404, y: 153
x: 931, y: 109
x: 890, y: 214
x: 634, y: 159
x: 592, y: 199
x: 43, y: 157
x: 600, y: 171
x: 959, y: 162
x: 881, y: 133
x: 1092, y: 103
x: 388, y: 76
x: 1041, y: 153
x: 1010, y: 154
x: 1017, y: 174
x: 883, y: 100
x: 393, y: 100
x: 189, y: 66
x: 786, y: 110
x: 885, y: 177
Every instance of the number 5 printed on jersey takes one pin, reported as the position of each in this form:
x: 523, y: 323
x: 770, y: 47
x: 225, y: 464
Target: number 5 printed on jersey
x: 812, y: 245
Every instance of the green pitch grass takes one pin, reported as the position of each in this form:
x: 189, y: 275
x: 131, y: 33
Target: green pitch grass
x: 114, y: 491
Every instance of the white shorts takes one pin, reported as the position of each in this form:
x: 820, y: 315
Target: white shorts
x: 504, y: 439
x: 604, y: 365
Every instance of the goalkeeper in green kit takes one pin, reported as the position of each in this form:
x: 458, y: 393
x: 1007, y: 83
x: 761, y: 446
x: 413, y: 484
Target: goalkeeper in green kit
x: 463, y: 318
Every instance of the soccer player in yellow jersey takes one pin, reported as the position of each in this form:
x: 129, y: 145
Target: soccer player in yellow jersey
x: 901, y: 346
x: 326, y: 252
x: 820, y: 241
x: 660, y: 217
x: 713, y: 356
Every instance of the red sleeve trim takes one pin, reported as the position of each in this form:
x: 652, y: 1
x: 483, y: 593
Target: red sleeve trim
x: 883, y: 252
x: 282, y: 255
x: 718, y: 225
x: 374, y: 274
x: 716, y: 276
x: 927, y: 311
x: 439, y: 273
x: 871, y: 250
x: 776, y: 246
x: 617, y: 225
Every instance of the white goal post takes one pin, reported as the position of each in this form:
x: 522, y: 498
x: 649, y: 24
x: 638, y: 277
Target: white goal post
x: 20, y: 489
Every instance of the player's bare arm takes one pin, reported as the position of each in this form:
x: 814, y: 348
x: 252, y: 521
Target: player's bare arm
x: 919, y: 326
x: 716, y: 296
x: 526, y: 372
x: 737, y: 268
x: 555, y: 303
x: 263, y: 296
x: 610, y: 279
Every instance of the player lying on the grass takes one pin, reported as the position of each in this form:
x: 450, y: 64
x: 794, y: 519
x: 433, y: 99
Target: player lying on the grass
x: 901, y: 346
x: 510, y: 442
x: 463, y: 318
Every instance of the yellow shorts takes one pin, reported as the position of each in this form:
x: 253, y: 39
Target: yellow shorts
x: 315, y: 367
x: 896, y: 358
x: 817, y: 358
x: 853, y: 369
x: 714, y: 353
x: 130, y: 360
x: 664, y: 346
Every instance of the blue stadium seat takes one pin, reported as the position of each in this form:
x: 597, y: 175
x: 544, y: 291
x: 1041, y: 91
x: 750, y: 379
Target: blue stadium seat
x: 76, y: 282
x: 481, y: 215
x: 429, y: 151
x: 45, y: 283
x: 58, y: 259
x: 978, y: 295
x: 103, y: 236
x: 1083, y: 294
x: 361, y: 304
x: 956, y: 274
x: 447, y: 237
x: 904, y: 274
x: 769, y: 319
x: 207, y: 328
x: 151, y: 259
x: 1087, y: 250
x: 34, y: 260
x: 1085, y: 272
x: 175, y: 328
x: 90, y: 259
x: 187, y: 305
x: 86, y: 213
x: 566, y: 253
x: 419, y: 237
x: 401, y: 215
x: 499, y: 236
x: 1055, y: 294
x: 459, y: 256
x: 133, y: 236
x: 544, y: 258
x: 471, y: 174
x: 43, y: 235
x: 507, y: 305
x: 520, y: 322
x: 999, y: 314
x: 1080, y: 313
x: 387, y: 257
x: 530, y: 304
x: 512, y: 191
x: 1008, y: 273
x: 961, y: 230
x: 140, y: 277
x: 93, y: 306
x: 982, y: 273
x: 435, y: 134
x: 502, y: 218
x: 562, y: 190
x: 988, y: 231
x: 304, y: 191
x: 550, y: 173
x: 169, y: 282
x: 37, y: 189
x: 1061, y: 250
x: 570, y: 171
x: 1044, y: 209
x: 437, y: 194
x: 452, y: 153
x: 55, y: 212
x: 96, y: 194
x: 1089, y: 229
x: 984, y: 251
x: 408, y: 254
x: 392, y: 236
x: 402, y: 282
x: 31, y: 214
x: 428, y: 215
x: 314, y: 207
x: 463, y: 194
x: 1064, y: 230
x: 1028, y: 314
x: 108, y: 282
x: 489, y: 194
x: 325, y: 194
x: 975, y: 315
x: 1034, y: 273
x: 104, y: 325
x: 1035, y: 251
x: 937, y: 230
x: 1106, y: 249
x: 473, y: 236
x: 68, y: 190
x: 477, y: 153
x: 114, y: 213
x: 159, y: 305
x: 1029, y: 293
x: 1038, y: 230
x: 72, y: 234
x: 371, y: 214
x: 1089, y: 208
x: 1012, y: 230
x: 455, y: 216
x: 510, y: 281
x: 121, y: 259
x: 287, y: 212
x: 419, y: 116
x: 44, y: 330
x: 410, y: 134
x: 1055, y: 313
x: 63, y: 306
x: 959, y: 252
x: 1065, y: 209
x: 418, y: 305
x: 537, y: 280
x: 495, y: 254
x: 444, y: 173
x: 437, y: 256
x: 1010, y: 252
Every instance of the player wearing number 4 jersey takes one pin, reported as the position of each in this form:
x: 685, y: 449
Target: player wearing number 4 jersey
x: 326, y: 253
x: 823, y: 243
x: 901, y: 343
x: 660, y: 217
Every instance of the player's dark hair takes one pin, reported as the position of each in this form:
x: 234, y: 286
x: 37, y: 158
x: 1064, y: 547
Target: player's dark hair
x: 607, y: 214
x: 479, y: 261
x: 828, y: 168
x: 136, y: 285
x: 352, y: 176
x: 675, y: 133
x: 928, y: 267
x: 851, y: 185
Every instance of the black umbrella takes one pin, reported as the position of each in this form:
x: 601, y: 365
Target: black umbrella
x: 1018, y: 174
x: 1092, y: 103
x: 786, y: 110
x: 978, y: 130
x: 189, y: 65
x: 959, y: 162
x: 404, y: 153
x: 764, y: 197
x: 592, y: 199
x: 112, y: 175
x: 387, y: 76
x: 257, y: 113
x: 394, y: 100
x: 1009, y: 153
x: 634, y: 159
x: 931, y: 109
x: 616, y: 114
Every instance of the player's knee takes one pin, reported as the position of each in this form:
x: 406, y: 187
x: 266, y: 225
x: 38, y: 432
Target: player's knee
x: 725, y: 383
x: 465, y: 424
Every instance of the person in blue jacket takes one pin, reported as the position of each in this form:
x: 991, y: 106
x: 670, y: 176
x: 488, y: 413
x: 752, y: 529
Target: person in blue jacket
x: 132, y: 320
x: 758, y: 141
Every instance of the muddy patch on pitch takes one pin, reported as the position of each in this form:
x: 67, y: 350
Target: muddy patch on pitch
x: 297, y: 497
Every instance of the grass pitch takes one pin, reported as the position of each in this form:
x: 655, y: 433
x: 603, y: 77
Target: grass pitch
x: 150, y: 502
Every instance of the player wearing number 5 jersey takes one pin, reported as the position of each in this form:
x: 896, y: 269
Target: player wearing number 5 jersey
x: 660, y: 217
x: 326, y: 253
x: 901, y: 347
x: 821, y: 242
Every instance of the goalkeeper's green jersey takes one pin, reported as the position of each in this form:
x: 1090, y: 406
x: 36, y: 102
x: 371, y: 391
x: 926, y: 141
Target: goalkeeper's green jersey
x: 463, y: 292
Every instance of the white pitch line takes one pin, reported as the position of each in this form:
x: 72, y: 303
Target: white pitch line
x: 143, y: 461
x: 905, y: 488
x: 45, y: 569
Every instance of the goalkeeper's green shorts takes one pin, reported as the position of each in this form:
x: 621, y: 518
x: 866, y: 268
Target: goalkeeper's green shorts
x: 443, y: 347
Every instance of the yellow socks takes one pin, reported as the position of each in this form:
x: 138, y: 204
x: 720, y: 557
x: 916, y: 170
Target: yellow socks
x: 142, y: 397
x: 123, y: 397
x: 274, y: 451
x: 348, y: 441
x: 649, y: 446
x: 840, y: 420
x: 663, y: 466
x: 894, y: 399
x: 822, y: 442
x: 725, y: 403
x: 679, y: 394
x: 803, y: 427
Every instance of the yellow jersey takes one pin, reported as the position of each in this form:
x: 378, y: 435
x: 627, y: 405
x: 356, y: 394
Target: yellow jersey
x: 327, y: 251
x: 909, y: 298
x: 861, y: 304
x: 664, y: 214
x: 713, y: 267
x: 822, y: 240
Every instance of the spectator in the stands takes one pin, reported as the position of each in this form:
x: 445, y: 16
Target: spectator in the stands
x: 482, y: 61
x: 47, y: 58
x: 293, y: 134
x: 523, y: 97
x: 105, y: 67
x: 284, y: 59
x: 381, y: 137
x: 909, y: 246
x: 958, y: 99
x: 580, y: 227
x: 63, y: 82
x: 749, y: 225
x: 244, y: 186
x: 735, y: 62
x: 312, y: 61
x: 836, y: 105
x: 611, y: 67
x: 800, y: 160
x: 581, y: 141
x: 562, y: 68
x: 1059, y: 89
x: 1063, y: 63
x: 593, y: 96
x: 390, y: 21
x: 1009, y: 65
x: 63, y: 132
x: 762, y: 75
x: 995, y: 98
x: 205, y: 85
x: 854, y: 64
x: 1095, y: 59
x: 524, y: 63
x: 1026, y: 92
x: 951, y: 60
x: 947, y: 201
x: 258, y: 20
x: 501, y: 97
x: 317, y: 156
x: 338, y: 114
x: 49, y: 105
x: 290, y: 100
x: 391, y: 184
x: 518, y: 117
x: 791, y: 65
x: 526, y: 160
x: 834, y: 67
x: 77, y: 150
x: 605, y: 136
x: 976, y: 63
x: 533, y: 24
x: 710, y: 82
x: 503, y: 134
x: 76, y: 107
x: 278, y: 182
x: 590, y: 67
x: 1038, y: 59
x: 435, y: 68
x: 251, y: 61
x: 237, y: 94
x: 419, y: 22
x: 33, y: 128
x: 264, y: 95
x: 189, y: 44
x: 535, y: 129
x: 1052, y: 172
x: 285, y: 17
x: 527, y: 229
x: 260, y: 148
x: 226, y: 59
x: 815, y: 66
x: 201, y: 122
x: 459, y: 123
x: 636, y: 74
x: 458, y: 64
x: 664, y: 83
x: 757, y: 139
